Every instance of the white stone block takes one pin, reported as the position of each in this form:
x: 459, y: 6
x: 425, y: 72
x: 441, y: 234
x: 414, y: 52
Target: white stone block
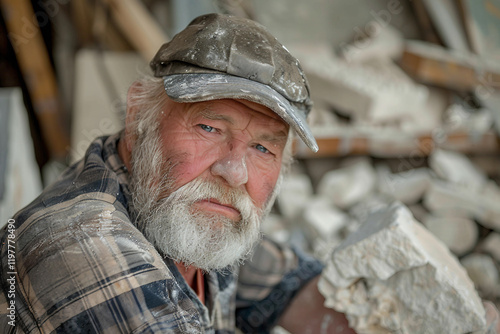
x: 394, y: 276
x: 491, y: 245
x: 348, y: 185
x: 323, y: 219
x: 384, y: 42
x: 457, y: 168
x: 407, y: 187
x: 377, y: 92
x: 480, y: 204
x: 296, y: 191
x: 484, y: 273
x: 477, y: 121
x: 459, y: 234
x: 275, y: 227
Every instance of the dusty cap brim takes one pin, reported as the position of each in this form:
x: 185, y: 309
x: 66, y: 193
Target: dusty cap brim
x: 197, y: 87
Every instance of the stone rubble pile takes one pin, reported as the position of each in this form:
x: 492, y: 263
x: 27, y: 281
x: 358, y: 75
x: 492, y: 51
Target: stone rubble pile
x: 400, y: 247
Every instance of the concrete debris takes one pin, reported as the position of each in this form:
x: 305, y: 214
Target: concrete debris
x: 349, y: 185
x: 392, y: 275
x: 407, y: 187
x: 456, y: 168
x: 484, y: 273
x: 295, y: 192
x: 480, y: 204
x: 457, y: 233
x: 491, y: 245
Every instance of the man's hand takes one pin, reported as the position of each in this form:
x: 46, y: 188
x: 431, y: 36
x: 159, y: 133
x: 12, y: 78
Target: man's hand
x: 306, y: 314
x: 492, y: 318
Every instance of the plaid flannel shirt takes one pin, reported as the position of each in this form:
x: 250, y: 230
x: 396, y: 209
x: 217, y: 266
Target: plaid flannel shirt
x: 74, y: 262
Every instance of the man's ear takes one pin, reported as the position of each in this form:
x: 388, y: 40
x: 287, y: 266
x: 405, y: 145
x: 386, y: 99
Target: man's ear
x: 132, y: 110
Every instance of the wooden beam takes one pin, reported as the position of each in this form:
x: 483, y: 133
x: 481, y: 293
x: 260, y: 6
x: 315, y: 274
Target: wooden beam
x: 32, y: 56
x: 138, y: 25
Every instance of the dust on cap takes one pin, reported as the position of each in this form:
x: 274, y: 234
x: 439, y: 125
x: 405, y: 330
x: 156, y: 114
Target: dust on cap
x: 220, y: 56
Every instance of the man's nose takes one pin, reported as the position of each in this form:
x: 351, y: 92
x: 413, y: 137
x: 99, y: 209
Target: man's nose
x: 232, y: 167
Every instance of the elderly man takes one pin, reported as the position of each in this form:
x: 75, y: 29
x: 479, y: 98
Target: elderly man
x: 148, y: 233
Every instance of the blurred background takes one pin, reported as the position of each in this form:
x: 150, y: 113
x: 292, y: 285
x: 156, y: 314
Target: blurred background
x: 406, y: 93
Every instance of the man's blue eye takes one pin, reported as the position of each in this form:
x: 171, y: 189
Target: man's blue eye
x: 262, y: 148
x: 207, y: 128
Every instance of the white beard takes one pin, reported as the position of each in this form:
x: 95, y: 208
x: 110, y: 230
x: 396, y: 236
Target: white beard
x: 208, y: 241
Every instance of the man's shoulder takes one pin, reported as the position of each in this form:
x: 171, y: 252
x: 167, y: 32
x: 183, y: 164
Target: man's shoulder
x: 81, y: 186
x: 83, y: 255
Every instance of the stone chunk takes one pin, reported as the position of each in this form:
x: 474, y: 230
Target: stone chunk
x: 484, y: 273
x: 349, y: 185
x: 480, y: 204
x: 394, y: 276
x: 407, y: 187
x: 491, y: 245
x: 459, y: 234
x: 457, y: 168
x: 323, y: 219
x: 375, y: 92
x: 384, y: 42
x: 295, y: 193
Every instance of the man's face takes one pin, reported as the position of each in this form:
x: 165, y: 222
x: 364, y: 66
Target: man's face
x: 235, y: 142
x: 203, y: 180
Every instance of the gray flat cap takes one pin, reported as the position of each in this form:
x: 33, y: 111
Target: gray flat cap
x: 220, y: 56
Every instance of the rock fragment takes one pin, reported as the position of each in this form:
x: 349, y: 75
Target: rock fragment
x: 484, y: 273
x: 456, y: 168
x: 323, y: 219
x: 491, y: 245
x: 295, y: 193
x: 480, y: 204
x: 407, y: 187
x: 392, y: 275
x: 348, y: 185
x: 459, y: 234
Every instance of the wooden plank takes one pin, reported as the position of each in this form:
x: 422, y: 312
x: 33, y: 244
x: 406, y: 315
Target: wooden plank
x: 33, y: 59
x: 427, y: 29
x: 434, y: 65
x: 400, y: 145
x: 93, y: 23
x: 138, y: 25
x: 82, y: 18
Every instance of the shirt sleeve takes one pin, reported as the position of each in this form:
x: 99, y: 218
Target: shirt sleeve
x: 268, y: 282
x: 81, y: 267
